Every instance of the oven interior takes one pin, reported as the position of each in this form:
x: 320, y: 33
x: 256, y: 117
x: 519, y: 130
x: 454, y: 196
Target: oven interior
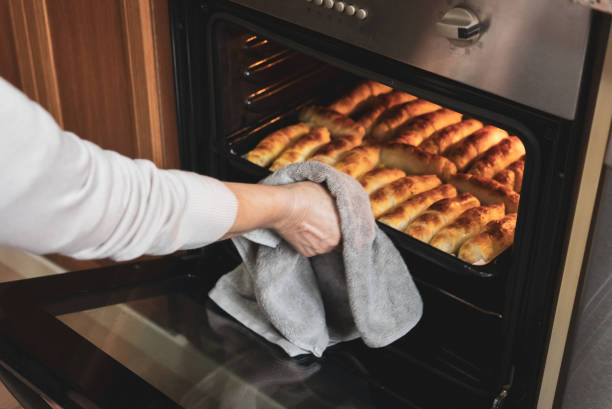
x: 482, y: 329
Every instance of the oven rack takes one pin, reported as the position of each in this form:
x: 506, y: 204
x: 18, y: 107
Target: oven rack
x: 235, y: 147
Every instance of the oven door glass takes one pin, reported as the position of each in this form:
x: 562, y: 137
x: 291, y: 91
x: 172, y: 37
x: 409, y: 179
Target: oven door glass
x: 146, y: 335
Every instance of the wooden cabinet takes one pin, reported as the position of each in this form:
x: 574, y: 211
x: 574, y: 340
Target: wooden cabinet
x: 103, y: 69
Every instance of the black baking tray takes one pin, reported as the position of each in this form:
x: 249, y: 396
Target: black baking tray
x: 241, y: 142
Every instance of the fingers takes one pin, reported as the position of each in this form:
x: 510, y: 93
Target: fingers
x: 312, y: 227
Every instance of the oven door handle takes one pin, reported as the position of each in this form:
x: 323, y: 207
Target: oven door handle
x: 24, y: 394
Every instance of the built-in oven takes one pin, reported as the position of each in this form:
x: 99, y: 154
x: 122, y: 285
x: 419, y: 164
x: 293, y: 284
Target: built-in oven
x: 145, y: 335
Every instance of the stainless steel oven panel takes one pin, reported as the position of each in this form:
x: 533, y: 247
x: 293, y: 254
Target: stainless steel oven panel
x: 531, y: 52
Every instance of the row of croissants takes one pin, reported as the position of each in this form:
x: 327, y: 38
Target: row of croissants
x: 449, y: 181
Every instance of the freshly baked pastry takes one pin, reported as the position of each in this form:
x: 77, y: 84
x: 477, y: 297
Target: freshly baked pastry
x: 379, y: 177
x: 408, y: 210
x: 272, y: 145
x: 337, y: 124
x: 389, y: 196
x: 359, y: 160
x: 422, y: 127
x: 358, y: 95
x: 331, y: 152
x: 496, y: 237
x: 383, y: 102
x: 399, y: 115
x: 498, y: 157
x: 440, y: 214
x: 489, y: 191
x: 302, y: 148
x: 414, y: 160
x: 450, y: 135
x: 465, y: 151
x: 512, y: 176
x: 469, y: 223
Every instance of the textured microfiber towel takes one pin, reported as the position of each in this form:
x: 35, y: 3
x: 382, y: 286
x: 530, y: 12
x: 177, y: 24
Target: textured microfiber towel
x: 362, y: 289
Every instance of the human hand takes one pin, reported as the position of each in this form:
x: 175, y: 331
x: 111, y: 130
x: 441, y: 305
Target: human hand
x: 311, y: 224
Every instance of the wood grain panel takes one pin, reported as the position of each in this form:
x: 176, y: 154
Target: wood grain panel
x: 8, y: 56
x: 93, y: 72
x: 34, y: 52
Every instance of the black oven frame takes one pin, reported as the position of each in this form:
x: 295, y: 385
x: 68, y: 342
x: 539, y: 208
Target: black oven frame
x: 544, y: 222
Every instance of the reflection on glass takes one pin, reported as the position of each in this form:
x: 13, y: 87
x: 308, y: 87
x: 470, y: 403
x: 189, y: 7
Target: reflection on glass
x: 202, y: 359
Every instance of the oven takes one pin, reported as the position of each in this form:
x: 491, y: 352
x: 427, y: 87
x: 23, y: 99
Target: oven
x: 247, y: 68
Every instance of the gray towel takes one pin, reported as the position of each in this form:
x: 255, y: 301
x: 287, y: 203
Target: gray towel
x: 304, y: 305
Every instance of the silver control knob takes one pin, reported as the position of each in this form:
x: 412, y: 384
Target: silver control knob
x: 361, y: 14
x: 317, y: 2
x: 460, y: 25
x: 328, y: 4
x: 350, y: 10
x: 339, y: 7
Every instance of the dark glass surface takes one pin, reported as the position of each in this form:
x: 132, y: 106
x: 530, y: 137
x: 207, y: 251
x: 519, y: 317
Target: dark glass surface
x: 200, y: 358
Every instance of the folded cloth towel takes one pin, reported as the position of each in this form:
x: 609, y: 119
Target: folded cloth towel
x: 302, y: 304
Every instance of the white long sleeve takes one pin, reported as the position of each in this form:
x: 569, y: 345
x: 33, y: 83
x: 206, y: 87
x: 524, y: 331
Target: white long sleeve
x: 62, y: 194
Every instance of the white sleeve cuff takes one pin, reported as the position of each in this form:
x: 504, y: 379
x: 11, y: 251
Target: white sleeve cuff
x: 209, y: 213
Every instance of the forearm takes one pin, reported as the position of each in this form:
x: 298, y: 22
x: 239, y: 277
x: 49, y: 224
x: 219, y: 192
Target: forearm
x: 259, y: 206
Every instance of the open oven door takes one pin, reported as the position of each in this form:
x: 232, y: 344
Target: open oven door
x: 145, y: 335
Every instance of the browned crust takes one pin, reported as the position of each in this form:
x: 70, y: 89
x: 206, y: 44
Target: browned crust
x: 518, y: 168
x: 383, y: 102
x: 450, y: 135
x: 359, y: 160
x: 387, y: 197
x: 401, y: 114
x: 469, y: 223
x: 332, y: 151
x: 497, y: 236
x: 338, y: 124
x: 414, y: 160
x: 302, y: 148
x: 358, y: 95
x: 489, y: 191
x: 422, y: 127
x: 270, y: 147
x: 498, y: 157
x: 377, y: 178
x: 408, y: 210
x: 506, y: 177
x: 465, y: 151
x: 439, y: 214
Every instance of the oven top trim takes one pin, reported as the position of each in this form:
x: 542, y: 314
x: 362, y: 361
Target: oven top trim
x: 529, y: 52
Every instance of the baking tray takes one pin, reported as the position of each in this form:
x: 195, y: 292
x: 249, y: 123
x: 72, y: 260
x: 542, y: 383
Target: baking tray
x: 242, y: 141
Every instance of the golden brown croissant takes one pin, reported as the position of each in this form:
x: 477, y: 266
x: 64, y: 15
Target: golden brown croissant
x: 414, y: 160
x: 498, y: 157
x: 512, y: 176
x: 407, y: 211
x: 331, y: 152
x: 489, y: 191
x: 383, y: 102
x: 450, y: 135
x: 468, y: 149
x: 302, y: 148
x: 440, y: 214
x: 379, y: 177
x: 272, y: 145
x: 422, y: 127
x: 469, y: 223
x: 399, y: 115
x: 359, y: 160
x: 389, y: 196
x: 338, y: 124
x: 357, y: 96
x: 496, y: 237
